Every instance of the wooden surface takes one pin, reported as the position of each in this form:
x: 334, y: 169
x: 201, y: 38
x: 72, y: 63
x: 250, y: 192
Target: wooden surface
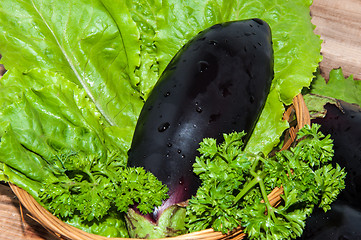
x: 338, y: 22
x: 339, y: 25
x: 13, y: 224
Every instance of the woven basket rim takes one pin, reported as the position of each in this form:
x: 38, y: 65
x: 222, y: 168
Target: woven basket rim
x: 65, y: 231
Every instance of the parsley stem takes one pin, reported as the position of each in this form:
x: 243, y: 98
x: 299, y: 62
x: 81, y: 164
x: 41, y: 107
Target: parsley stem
x: 265, y: 198
x: 252, y: 183
x: 254, y: 165
x: 245, y: 189
x: 258, y: 179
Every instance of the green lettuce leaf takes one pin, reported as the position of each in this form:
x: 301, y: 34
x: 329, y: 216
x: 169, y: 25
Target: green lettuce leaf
x: 42, y: 121
x: 55, y: 146
x: 85, y: 41
x: 338, y: 86
x: 80, y: 71
x: 116, y: 51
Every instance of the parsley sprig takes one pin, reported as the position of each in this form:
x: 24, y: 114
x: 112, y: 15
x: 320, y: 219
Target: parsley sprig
x: 235, y: 185
x: 93, y: 187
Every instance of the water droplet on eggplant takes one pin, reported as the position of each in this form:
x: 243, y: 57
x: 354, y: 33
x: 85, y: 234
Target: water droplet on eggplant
x: 213, y: 42
x: 203, y: 66
x: 163, y: 127
x: 199, y: 109
x: 249, y: 72
x: 251, y: 99
x: 225, y: 89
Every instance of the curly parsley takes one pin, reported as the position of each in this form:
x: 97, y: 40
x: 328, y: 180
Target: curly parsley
x: 235, y: 185
x: 92, y: 187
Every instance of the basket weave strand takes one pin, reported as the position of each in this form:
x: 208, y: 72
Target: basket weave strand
x: 68, y: 232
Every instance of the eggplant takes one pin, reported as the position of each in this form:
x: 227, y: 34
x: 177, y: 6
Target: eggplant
x: 343, y: 122
x: 342, y: 222
x: 217, y: 83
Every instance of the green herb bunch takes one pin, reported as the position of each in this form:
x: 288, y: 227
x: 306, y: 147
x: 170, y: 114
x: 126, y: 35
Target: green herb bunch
x: 235, y: 185
x: 92, y: 188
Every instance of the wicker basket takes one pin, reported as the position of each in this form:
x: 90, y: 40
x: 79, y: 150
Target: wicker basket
x: 65, y: 231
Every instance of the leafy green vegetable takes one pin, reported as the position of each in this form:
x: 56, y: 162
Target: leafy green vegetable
x: 338, y: 86
x: 110, y: 226
x: 170, y: 223
x: 108, y: 47
x: 90, y: 187
x: 55, y: 128
x: 234, y: 183
x: 79, y: 72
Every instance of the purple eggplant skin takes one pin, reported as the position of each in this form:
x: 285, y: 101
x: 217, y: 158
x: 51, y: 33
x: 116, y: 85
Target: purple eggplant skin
x: 342, y: 222
x: 343, y: 122
x: 217, y: 83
